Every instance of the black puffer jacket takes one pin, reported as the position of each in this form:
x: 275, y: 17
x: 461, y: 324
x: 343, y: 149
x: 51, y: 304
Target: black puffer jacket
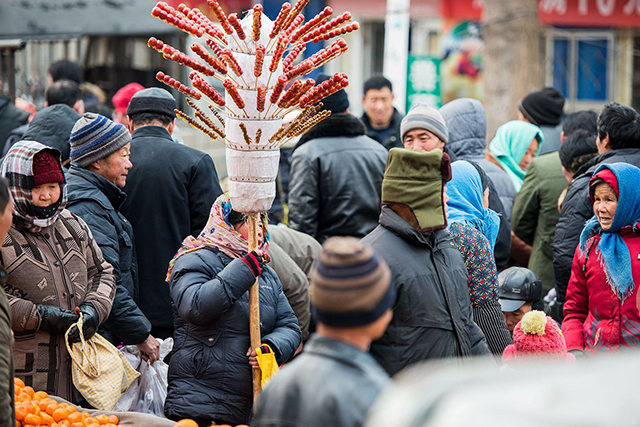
x: 52, y: 127
x: 170, y: 190
x: 576, y: 210
x: 10, y: 118
x: 209, y: 374
x: 336, y: 180
x: 97, y: 202
x: 393, y: 138
x: 432, y: 316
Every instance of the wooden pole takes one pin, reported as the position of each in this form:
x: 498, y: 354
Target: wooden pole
x: 254, y: 305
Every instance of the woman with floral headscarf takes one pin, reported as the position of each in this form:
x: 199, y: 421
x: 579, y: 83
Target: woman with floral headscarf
x: 515, y: 145
x: 210, y: 375
x: 54, y: 267
x: 474, y: 228
x: 602, y: 307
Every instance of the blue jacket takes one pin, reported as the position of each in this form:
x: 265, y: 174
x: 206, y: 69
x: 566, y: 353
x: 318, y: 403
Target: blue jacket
x: 209, y: 374
x: 97, y: 202
x: 330, y: 384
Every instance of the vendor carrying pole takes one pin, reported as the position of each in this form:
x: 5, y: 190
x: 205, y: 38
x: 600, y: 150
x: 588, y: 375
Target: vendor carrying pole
x: 254, y: 304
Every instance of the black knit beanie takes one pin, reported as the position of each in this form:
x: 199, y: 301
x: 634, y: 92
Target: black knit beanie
x: 543, y: 108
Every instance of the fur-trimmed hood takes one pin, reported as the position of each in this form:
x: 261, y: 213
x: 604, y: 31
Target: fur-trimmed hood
x: 342, y: 124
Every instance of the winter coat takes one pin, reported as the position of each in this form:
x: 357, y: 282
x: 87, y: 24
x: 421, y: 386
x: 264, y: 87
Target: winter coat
x: 170, y: 190
x: 97, y: 202
x: 535, y: 214
x: 336, y: 180
x: 7, y: 398
x: 432, y: 316
x: 331, y: 383
x: 576, y: 210
x: 209, y: 374
x: 61, y: 265
x: 467, y: 125
x: 10, y: 118
x: 393, y: 139
x: 292, y: 255
x: 552, y: 139
x: 52, y: 126
x: 594, y: 317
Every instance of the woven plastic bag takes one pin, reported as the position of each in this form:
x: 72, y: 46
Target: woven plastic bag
x: 99, y: 371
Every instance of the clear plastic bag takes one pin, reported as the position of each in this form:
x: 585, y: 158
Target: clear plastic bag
x: 149, y: 391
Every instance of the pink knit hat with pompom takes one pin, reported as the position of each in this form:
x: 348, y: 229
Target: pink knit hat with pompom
x: 537, y: 335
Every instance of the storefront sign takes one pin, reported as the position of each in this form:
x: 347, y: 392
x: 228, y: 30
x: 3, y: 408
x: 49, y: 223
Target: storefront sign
x: 423, y: 80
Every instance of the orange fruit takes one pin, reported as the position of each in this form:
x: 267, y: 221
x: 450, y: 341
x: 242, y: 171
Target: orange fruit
x: 60, y: 414
x: 18, y: 382
x: 30, y: 391
x: 93, y: 425
x: 90, y: 420
x: 17, y: 390
x: 75, y: 417
x: 102, y: 419
x: 77, y: 424
x: 110, y: 425
x: 21, y: 412
x: 85, y: 415
x: 32, y: 419
x: 46, y: 418
x: 64, y: 423
x: 186, y: 423
x: 41, y: 395
x: 54, y: 424
x: 113, y: 419
x: 51, y: 407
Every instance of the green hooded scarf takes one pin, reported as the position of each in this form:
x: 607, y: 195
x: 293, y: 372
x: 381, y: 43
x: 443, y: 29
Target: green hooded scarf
x: 509, y: 146
x: 416, y: 179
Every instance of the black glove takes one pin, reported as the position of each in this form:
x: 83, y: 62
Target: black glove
x: 55, y: 320
x: 255, y: 262
x: 90, y: 323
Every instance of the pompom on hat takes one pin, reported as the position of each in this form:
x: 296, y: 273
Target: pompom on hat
x: 537, y: 335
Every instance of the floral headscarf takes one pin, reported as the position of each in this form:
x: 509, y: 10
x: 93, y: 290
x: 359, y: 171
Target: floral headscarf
x: 17, y: 167
x: 220, y: 234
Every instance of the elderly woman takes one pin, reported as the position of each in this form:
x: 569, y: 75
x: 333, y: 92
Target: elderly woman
x: 601, y: 311
x: 54, y: 270
x: 210, y: 375
x: 513, y: 148
x: 474, y: 229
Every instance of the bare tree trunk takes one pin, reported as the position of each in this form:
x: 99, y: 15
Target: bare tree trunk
x: 512, y: 60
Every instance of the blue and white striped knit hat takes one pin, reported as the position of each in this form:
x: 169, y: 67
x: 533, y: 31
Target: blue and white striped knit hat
x: 94, y: 137
x: 424, y: 116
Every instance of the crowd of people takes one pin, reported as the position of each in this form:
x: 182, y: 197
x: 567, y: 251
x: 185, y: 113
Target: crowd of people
x: 395, y: 240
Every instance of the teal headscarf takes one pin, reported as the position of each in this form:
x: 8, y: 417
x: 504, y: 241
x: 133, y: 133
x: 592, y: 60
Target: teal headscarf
x: 510, y: 145
x: 465, y: 201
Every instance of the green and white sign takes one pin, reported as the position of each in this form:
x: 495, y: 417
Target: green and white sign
x: 423, y: 80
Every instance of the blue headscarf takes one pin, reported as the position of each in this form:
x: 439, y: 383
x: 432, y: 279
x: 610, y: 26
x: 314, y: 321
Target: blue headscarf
x: 612, y: 250
x: 465, y: 201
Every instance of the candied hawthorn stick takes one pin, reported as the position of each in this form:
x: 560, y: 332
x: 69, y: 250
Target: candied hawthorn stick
x: 337, y: 32
x: 235, y: 23
x: 327, y: 27
x: 217, y: 114
x: 217, y: 65
x: 206, y: 89
x: 301, y: 69
x: 245, y: 133
x: 288, y: 60
x: 260, y: 52
x: 278, y: 88
x: 170, y: 81
x: 171, y: 16
x: 257, y: 22
x: 191, y: 121
x: 258, y: 135
x: 319, y: 19
x: 231, y: 61
x: 297, y: 9
x: 280, y: 20
x: 296, y: 22
x: 290, y: 94
x: 280, y: 48
x: 262, y: 96
x: 233, y: 92
x: 220, y: 15
x: 332, y: 85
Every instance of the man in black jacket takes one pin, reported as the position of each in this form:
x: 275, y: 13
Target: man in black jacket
x: 380, y: 117
x: 336, y: 174
x: 432, y: 316
x: 7, y: 395
x: 10, y: 116
x: 618, y: 141
x: 170, y: 192
x: 100, y: 156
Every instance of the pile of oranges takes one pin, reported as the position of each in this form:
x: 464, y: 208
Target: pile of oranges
x: 36, y: 408
x: 190, y: 423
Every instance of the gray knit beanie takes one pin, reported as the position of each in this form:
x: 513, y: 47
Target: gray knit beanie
x: 424, y: 116
x: 95, y: 137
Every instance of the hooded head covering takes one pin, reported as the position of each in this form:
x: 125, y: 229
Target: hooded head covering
x: 467, y: 126
x: 465, y: 193
x: 509, y: 146
x: 17, y: 167
x: 416, y: 179
x: 220, y: 234
x: 612, y: 250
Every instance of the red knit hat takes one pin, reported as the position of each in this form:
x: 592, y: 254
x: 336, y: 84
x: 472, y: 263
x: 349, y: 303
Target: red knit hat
x: 46, y: 169
x: 123, y: 96
x: 537, y: 335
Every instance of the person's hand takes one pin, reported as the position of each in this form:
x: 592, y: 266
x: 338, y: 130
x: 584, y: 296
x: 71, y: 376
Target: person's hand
x: 90, y: 323
x: 253, y: 358
x: 255, y: 261
x: 56, y: 320
x: 150, y: 349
